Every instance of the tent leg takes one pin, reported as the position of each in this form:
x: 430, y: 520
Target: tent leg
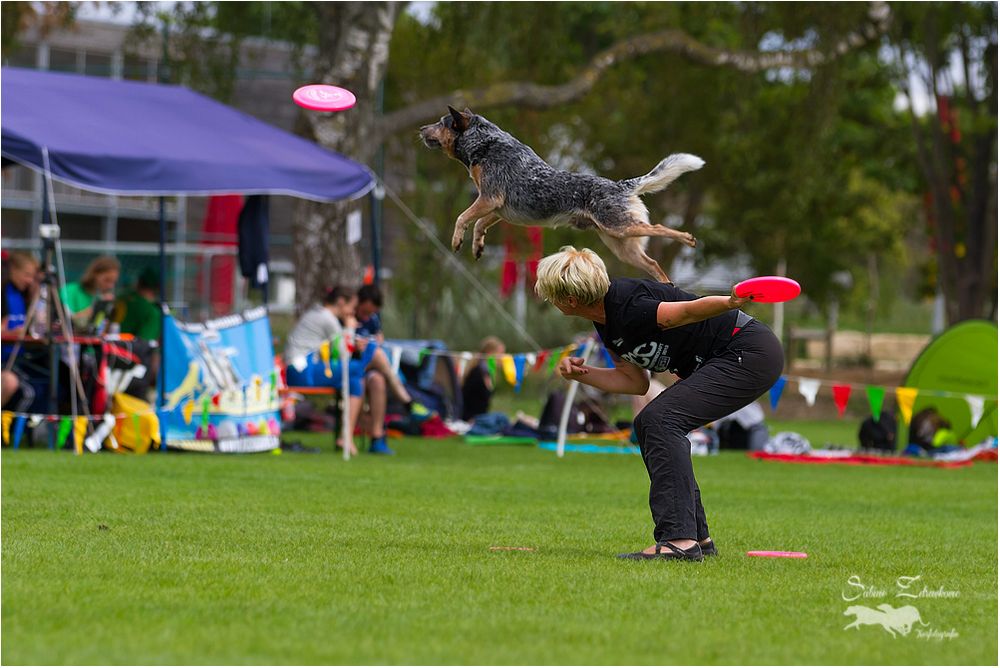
x: 161, y: 371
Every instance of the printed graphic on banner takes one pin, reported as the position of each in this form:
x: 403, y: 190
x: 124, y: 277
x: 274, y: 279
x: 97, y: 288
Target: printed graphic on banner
x: 219, y: 384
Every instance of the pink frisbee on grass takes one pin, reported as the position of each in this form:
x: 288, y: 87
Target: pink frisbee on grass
x: 777, y: 555
x: 768, y: 289
x: 321, y: 97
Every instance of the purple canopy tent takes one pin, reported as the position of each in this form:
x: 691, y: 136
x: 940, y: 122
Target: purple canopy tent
x: 130, y: 138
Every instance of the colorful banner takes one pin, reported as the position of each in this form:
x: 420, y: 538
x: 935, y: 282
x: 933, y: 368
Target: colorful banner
x: 218, y: 377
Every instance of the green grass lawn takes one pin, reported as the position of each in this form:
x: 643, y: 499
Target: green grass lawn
x: 306, y: 559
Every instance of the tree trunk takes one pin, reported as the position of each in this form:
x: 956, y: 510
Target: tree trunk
x: 354, y: 48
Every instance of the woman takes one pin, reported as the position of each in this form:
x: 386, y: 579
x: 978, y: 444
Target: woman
x: 97, y: 284
x: 477, y: 386
x: 18, y: 296
x: 725, y: 359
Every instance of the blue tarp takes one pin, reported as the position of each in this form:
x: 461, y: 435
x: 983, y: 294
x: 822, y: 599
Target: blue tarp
x: 124, y: 137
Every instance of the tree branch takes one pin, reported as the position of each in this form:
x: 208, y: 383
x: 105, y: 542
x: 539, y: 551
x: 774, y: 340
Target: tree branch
x: 537, y: 96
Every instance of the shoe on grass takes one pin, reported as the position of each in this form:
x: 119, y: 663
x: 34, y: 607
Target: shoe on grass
x: 380, y: 447
x: 666, y: 551
x: 708, y: 549
x: 418, y: 410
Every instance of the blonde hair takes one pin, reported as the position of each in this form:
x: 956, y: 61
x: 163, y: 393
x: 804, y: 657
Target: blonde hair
x: 99, y: 265
x: 572, y: 273
x: 22, y: 260
x: 490, y: 344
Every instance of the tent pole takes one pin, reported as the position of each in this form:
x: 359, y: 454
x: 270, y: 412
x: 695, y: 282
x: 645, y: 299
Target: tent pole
x: 52, y: 281
x: 160, y: 372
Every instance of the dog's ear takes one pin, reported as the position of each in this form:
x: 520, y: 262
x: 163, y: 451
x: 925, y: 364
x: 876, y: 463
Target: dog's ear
x: 461, y: 122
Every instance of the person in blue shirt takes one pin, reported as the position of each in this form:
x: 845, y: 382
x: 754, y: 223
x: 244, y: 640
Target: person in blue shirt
x: 369, y: 304
x: 18, y: 295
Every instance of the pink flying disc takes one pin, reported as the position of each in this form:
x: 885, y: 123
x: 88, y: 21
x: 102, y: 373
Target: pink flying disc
x: 320, y: 97
x: 777, y: 555
x: 768, y: 289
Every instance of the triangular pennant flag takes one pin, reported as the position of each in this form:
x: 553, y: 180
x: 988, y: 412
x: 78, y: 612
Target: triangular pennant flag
x: 18, y: 430
x: 808, y: 388
x: 608, y: 362
x: 79, y: 433
x: 509, y: 370
x: 395, y: 357
x: 776, y: 390
x: 905, y: 396
x: 554, y: 361
x: 7, y: 419
x: 841, y: 393
x: 491, y: 366
x: 976, y: 404
x: 35, y: 420
x: 543, y: 357
x: 519, y: 363
x: 188, y: 411
x: 529, y: 360
x: 579, y: 351
x: 65, y: 426
x: 876, y: 395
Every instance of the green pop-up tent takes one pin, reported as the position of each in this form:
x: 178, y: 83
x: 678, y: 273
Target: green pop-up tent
x: 960, y: 361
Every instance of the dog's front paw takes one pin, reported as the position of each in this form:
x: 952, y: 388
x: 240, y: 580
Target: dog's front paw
x: 478, y: 247
x: 456, y: 243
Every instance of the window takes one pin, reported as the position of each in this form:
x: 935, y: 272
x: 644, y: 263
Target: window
x: 62, y: 60
x: 16, y: 224
x: 98, y: 65
x: 81, y: 227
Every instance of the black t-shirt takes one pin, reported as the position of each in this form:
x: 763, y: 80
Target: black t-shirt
x: 475, y: 393
x: 631, y: 331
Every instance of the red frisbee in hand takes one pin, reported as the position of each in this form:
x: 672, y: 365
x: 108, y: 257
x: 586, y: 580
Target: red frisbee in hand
x: 768, y: 289
x: 777, y: 555
x: 320, y: 97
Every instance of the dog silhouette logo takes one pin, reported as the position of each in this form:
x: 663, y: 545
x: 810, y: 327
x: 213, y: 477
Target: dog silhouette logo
x: 893, y: 620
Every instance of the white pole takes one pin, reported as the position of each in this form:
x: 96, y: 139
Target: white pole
x: 568, y: 404
x: 346, y: 433
x: 779, y: 307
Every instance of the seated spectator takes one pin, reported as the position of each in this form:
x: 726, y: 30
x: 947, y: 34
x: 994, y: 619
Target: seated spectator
x: 321, y: 323
x: 19, y: 292
x: 369, y: 305
x: 477, y: 386
x: 18, y: 296
x: 138, y: 313
x: 380, y: 376
x: 93, y: 294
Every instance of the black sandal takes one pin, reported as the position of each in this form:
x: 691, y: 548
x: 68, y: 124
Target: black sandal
x: 667, y: 551
x: 709, y: 549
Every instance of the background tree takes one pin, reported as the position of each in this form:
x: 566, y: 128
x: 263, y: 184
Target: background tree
x: 945, y: 56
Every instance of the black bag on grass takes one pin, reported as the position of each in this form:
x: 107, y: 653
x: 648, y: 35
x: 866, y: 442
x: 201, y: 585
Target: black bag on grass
x: 879, y: 435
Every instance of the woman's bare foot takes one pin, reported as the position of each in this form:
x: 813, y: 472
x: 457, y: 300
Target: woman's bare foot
x: 351, y: 448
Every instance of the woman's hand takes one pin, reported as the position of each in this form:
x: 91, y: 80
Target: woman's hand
x: 738, y: 302
x: 572, y: 368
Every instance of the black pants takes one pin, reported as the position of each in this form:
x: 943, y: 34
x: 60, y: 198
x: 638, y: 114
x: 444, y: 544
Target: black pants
x: 748, y: 367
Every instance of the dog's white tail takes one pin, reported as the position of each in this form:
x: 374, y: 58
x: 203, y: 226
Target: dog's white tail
x: 665, y: 173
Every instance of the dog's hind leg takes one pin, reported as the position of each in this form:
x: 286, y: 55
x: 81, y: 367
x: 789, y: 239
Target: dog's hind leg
x: 649, y: 230
x: 632, y: 251
x: 479, y: 233
x: 482, y: 207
